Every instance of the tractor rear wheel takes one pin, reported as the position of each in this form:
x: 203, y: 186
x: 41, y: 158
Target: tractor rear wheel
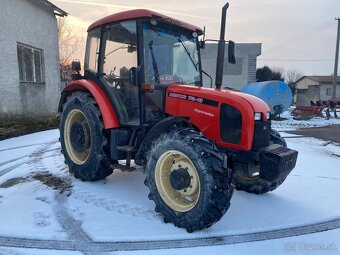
x: 187, y: 181
x: 83, y: 138
x: 255, y: 184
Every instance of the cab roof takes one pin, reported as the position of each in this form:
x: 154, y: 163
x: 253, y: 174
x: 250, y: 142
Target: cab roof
x: 142, y: 13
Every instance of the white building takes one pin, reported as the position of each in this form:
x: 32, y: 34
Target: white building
x: 29, y: 62
x: 234, y: 75
x: 315, y: 88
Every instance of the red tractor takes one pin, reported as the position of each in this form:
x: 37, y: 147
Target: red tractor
x: 141, y: 98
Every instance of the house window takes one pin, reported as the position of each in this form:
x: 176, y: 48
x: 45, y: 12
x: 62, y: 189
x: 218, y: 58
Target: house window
x: 328, y: 91
x: 31, y: 64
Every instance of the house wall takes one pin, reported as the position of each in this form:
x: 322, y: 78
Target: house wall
x: 305, y: 82
x: 237, y: 75
x: 314, y: 93
x: 27, y: 22
x: 323, y: 90
x: 304, y: 96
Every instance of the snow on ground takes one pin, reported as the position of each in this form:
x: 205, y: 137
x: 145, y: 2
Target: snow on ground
x: 117, y: 208
x: 291, y: 124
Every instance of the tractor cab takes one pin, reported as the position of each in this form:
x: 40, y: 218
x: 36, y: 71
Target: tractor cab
x: 135, y: 55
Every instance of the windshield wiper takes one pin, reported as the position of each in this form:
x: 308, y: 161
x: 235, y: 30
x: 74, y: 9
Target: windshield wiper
x: 154, y: 63
x: 187, y: 51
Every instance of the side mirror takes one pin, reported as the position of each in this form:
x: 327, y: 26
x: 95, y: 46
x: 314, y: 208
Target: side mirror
x: 76, y: 66
x: 231, y: 52
x: 133, y: 76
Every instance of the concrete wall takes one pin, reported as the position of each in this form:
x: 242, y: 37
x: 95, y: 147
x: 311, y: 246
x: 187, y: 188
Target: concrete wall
x: 27, y: 22
x: 235, y: 76
x: 304, y: 96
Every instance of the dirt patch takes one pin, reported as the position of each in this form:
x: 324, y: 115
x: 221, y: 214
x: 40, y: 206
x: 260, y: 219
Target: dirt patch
x: 12, y: 182
x: 328, y: 133
x: 15, y: 129
x: 64, y: 185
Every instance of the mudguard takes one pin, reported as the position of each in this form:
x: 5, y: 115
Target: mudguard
x: 157, y: 130
x: 109, y: 116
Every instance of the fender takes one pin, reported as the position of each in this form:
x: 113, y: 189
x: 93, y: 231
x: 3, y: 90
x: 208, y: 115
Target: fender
x: 109, y: 116
x: 156, y: 131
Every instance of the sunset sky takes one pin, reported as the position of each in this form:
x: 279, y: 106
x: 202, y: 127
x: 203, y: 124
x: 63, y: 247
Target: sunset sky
x: 294, y: 34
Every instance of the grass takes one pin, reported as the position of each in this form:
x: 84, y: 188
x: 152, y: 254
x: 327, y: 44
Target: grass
x: 18, y: 128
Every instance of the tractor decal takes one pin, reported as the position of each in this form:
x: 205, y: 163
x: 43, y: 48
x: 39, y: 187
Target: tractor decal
x: 190, y: 98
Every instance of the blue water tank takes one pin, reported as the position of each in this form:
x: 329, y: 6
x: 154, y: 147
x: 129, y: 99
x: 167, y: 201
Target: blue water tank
x: 276, y: 94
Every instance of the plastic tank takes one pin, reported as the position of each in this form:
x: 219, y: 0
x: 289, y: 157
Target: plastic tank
x: 276, y: 94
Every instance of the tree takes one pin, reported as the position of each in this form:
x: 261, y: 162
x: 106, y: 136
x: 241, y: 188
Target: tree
x: 70, y: 44
x: 267, y: 74
x: 291, y: 76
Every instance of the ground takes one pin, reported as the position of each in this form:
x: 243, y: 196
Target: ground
x: 18, y: 128
x: 328, y: 133
x: 45, y: 210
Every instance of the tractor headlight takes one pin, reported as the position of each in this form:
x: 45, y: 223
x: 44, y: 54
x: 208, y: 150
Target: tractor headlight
x: 268, y: 115
x: 258, y: 116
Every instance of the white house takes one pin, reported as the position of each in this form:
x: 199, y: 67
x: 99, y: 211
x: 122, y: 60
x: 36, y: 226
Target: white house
x: 29, y: 62
x: 234, y: 75
x: 315, y: 88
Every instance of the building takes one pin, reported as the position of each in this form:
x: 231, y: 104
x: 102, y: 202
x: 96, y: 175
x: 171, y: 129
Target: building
x: 235, y: 75
x: 315, y: 88
x: 29, y: 62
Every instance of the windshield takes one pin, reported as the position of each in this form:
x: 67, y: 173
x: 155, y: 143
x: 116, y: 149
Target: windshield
x: 170, y: 56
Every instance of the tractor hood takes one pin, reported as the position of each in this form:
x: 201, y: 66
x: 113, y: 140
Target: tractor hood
x: 256, y: 103
x: 203, y: 108
x: 219, y: 96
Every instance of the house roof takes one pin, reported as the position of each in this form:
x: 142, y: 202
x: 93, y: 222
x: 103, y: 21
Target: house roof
x: 56, y: 9
x: 324, y: 79
x: 142, y: 13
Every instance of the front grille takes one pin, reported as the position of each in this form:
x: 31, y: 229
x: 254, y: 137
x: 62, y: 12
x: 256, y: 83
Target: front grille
x: 261, y: 134
x: 230, y: 124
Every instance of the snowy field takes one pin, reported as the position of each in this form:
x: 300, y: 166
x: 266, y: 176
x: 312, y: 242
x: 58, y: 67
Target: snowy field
x: 291, y: 124
x: 44, y: 210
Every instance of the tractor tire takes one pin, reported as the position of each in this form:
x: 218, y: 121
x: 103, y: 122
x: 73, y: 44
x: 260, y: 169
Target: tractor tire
x: 255, y: 184
x: 275, y: 138
x: 187, y: 181
x: 83, y: 139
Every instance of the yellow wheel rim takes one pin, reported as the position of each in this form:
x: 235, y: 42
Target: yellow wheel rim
x: 76, y: 116
x: 179, y: 200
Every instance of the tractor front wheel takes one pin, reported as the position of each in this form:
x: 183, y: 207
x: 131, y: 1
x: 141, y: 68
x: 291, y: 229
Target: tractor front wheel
x: 83, y: 138
x: 187, y: 181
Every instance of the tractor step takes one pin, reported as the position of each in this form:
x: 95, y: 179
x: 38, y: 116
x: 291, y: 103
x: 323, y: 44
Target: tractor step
x: 123, y: 168
x: 127, y: 148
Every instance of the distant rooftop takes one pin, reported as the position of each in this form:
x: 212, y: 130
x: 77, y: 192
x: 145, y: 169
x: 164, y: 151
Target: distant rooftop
x: 326, y: 79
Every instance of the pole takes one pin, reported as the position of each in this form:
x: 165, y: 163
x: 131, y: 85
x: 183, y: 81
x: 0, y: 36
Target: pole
x: 336, y: 60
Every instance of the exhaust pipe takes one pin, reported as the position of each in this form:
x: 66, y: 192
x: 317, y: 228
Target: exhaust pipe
x: 220, y: 50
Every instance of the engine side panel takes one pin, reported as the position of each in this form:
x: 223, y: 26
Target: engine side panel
x: 109, y: 116
x: 203, y: 105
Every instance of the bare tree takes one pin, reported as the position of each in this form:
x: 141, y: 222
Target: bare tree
x: 70, y: 44
x: 291, y: 76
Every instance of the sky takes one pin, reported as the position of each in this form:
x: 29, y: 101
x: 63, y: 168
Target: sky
x: 294, y: 34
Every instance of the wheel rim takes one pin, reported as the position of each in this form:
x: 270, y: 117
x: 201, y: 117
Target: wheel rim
x: 177, y: 198
x: 77, y: 136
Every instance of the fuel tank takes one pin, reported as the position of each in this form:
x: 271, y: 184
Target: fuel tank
x: 276, y: 94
